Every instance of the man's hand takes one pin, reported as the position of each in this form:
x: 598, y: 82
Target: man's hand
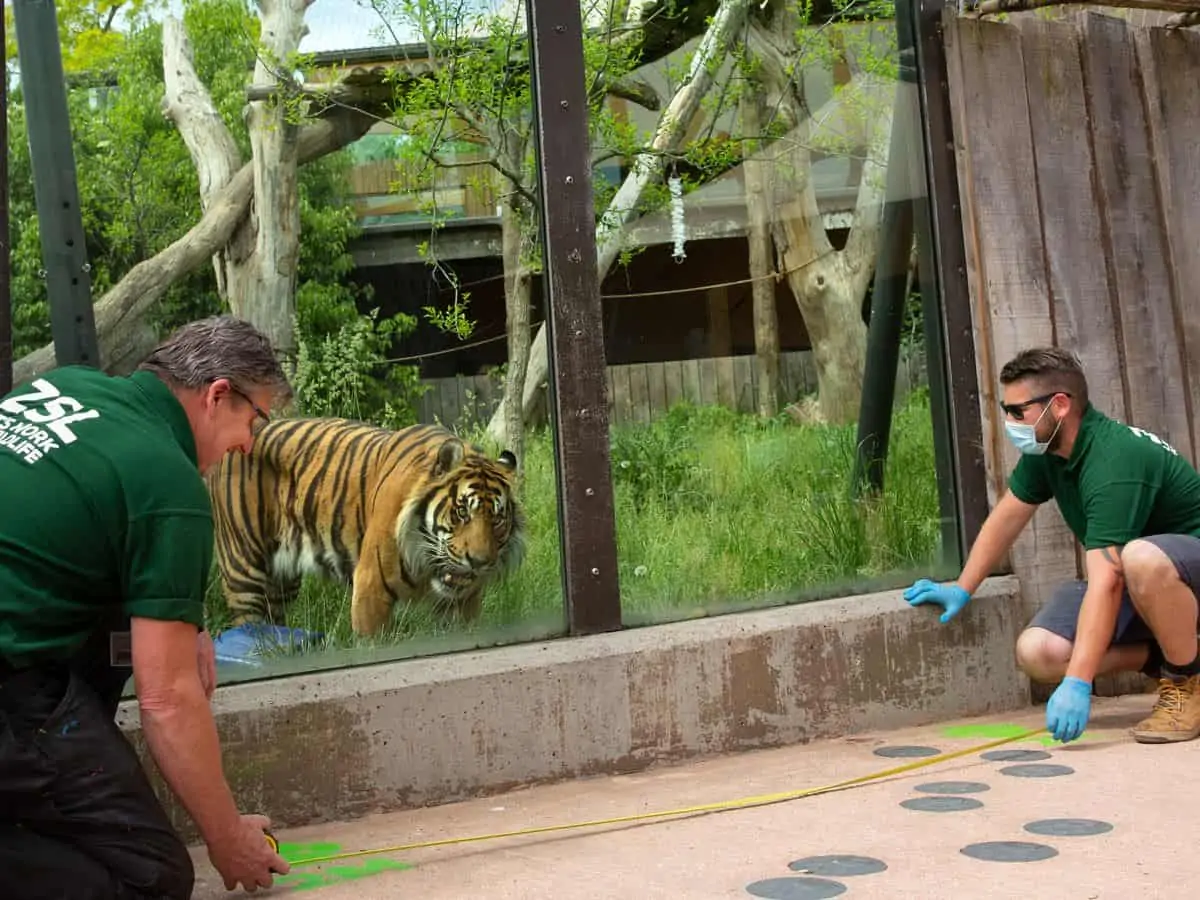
x: 206, y: 655
x: 950, y: 597
x: 244, y: 857
x: 1068, y: 709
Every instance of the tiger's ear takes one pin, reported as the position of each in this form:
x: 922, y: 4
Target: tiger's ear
x: 508, y: 459
x: 449, y: 455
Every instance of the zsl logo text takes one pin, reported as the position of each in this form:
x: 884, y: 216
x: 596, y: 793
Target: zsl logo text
x: 44, y: 412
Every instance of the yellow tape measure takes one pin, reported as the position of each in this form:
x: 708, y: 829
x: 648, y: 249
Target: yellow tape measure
x: 742, y: 803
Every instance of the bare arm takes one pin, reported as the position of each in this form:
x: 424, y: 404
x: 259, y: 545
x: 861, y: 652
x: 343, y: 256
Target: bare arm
x: 1098, y: 612
x: 179, y: 726
x: 996, y: 536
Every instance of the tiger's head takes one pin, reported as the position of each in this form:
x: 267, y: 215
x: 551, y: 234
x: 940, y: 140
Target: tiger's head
x: 464, y: 527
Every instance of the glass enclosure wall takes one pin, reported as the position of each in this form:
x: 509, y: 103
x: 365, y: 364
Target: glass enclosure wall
x: 776, y: 411
x: 736, y: 331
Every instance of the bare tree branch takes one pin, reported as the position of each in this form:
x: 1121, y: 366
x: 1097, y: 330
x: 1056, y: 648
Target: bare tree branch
x: 119, y: 311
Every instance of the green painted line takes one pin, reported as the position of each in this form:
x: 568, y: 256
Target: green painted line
x: 997, y: 731
x: 331, y: 874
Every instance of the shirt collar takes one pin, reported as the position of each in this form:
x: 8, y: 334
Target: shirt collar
x: 168, y: 406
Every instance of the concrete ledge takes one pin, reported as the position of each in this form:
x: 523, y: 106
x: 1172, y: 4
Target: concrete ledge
x: 336, y: 745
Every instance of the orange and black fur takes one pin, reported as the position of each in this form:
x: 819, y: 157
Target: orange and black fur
x: 399, y: 515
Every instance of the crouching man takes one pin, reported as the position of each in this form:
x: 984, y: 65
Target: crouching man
x: 106, y: 542
x: 1134, y: 504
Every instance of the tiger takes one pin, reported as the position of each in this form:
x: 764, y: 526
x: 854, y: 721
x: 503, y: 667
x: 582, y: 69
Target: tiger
x: 400, y: 516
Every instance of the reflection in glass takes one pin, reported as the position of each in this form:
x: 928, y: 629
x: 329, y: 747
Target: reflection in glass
x: 736, y: 336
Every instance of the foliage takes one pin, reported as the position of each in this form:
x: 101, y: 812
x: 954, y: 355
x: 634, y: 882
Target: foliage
x: 89, y: 40
x: 139, y: 192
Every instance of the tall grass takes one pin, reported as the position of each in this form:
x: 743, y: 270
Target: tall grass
x: 715, y: 511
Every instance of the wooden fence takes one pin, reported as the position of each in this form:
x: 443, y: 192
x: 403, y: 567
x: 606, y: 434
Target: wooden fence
x: 643, y: 391
x: 1080, y: 178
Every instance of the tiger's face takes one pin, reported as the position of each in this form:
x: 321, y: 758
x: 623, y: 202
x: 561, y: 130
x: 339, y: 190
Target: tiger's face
x: 470, y: 527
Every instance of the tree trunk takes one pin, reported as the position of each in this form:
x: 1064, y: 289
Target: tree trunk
x: 262, y: 289
x: 516, y: 304
x: 646, y: 169
x: 757, y: 174
x: 829, y: 285
x: 187, y: 104
x: 119, y: 313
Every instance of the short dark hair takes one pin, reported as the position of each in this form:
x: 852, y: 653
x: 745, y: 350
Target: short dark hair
x: 1051, y: 369
x: 200, y: 352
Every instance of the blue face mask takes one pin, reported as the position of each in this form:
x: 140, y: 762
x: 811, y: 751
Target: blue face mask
x: 1024, y: 436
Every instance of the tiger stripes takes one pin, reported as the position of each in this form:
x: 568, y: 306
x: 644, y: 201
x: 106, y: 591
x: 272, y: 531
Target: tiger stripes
x: 401, y: 516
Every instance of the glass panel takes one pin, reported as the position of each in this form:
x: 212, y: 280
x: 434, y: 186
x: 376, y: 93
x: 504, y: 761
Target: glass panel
x: 736, y: 331
x: 400, y: 319
x: 435, y: 218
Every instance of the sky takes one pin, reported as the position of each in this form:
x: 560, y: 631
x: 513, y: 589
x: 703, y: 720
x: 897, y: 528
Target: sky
x: 343, y: 25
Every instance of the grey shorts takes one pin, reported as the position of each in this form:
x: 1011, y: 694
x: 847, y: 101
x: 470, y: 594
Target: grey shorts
x: 1061, y: 614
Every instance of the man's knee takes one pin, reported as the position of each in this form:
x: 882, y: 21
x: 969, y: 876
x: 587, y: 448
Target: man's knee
x: 1147, y: 568
x: 1042, y: 655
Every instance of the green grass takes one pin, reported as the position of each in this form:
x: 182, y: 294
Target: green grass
x: 715, y: 511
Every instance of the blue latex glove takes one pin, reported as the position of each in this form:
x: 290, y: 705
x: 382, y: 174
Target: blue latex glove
x: 1068, y: 709
x: 950, y: 597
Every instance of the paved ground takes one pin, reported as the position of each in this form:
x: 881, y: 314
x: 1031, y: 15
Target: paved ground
x: 1141, y: 801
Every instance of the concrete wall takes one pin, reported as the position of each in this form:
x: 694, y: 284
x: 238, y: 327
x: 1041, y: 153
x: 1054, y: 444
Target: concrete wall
x: 335, y: 745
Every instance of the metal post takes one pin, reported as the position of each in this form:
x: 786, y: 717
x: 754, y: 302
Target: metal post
x: 574, y: 325
x: 60, y: 223
x: 890, y: 290
x: 948, y: 328
x: 6, y: 317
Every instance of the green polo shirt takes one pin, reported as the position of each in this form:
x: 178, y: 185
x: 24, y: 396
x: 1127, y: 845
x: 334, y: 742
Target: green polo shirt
x: 1119, y: 483
x: 104, y: 512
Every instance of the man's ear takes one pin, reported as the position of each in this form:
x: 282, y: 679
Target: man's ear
x: 214, y: 392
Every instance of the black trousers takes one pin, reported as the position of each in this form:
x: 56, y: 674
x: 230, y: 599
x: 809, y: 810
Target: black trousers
x: 78, y: 817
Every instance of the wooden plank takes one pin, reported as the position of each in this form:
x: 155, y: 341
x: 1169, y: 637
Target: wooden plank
x: 708, y: 382
x: 656, y: 384
x: 1172, y: 65
x: 639, y: 393
x: 726, y: 389
x: 743, y: 384
x: 690, y: 370
x: 622, y: 411
x: 1071, y: 218
x: 673, y: 382
x: 1007, y: 269
x: 1134, y: 232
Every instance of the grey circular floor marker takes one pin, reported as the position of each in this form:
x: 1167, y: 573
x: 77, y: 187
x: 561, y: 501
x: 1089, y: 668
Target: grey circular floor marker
x: 1069, y: 827
x: 795, y: 888
x: 952, y: 787
x: 905, y: 751
x: 1009, y: 851
x: 941, y: 804
x: 1015, y: 755
x: 1033, y: 770
x: 839, y: 865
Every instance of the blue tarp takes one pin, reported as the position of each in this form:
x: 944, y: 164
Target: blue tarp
x: 248, y: 644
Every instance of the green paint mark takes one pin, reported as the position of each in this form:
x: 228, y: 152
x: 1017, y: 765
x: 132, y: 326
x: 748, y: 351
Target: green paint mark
x: 998, y: 731
x: 306, y: 880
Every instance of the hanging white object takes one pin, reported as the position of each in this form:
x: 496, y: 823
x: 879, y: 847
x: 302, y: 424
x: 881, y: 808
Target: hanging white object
x: 677, y: 232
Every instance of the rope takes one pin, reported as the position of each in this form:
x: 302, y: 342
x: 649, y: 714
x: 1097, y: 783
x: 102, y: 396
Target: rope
x: 720, y: 806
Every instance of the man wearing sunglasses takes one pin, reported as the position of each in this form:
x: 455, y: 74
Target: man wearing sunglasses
x: 1133, y: 503
x: 106, y: 544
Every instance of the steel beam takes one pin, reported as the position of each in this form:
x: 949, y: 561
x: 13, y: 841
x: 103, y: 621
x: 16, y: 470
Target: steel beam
x: 574, y: 324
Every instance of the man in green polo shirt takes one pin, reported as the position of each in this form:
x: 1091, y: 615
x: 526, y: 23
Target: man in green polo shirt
x: 106, y: 543
x: 1133, y: 502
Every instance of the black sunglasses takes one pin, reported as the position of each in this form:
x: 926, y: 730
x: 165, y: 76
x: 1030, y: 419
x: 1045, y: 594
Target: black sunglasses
x: 1017, y: 410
